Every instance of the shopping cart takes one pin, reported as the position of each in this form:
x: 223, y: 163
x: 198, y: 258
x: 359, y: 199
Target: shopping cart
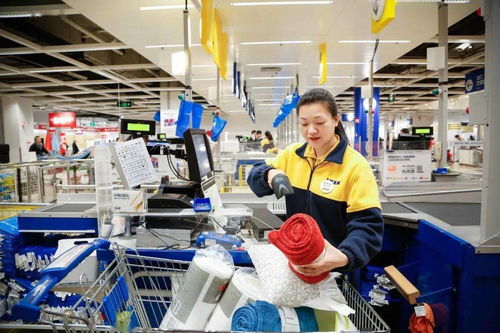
x: 133, y: 293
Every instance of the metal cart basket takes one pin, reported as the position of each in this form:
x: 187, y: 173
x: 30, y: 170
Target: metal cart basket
x: 133, y: 293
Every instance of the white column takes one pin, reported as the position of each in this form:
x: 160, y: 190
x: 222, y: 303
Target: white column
x: 490, y: 209
x: 17, y: 126
x: 443, y: 83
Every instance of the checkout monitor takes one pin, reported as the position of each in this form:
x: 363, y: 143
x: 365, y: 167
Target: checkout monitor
x: 199, y: 155
x: 422, y: 131
x: 137, y: 127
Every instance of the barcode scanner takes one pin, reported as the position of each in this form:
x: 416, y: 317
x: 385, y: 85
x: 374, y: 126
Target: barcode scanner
x: 281, y: 185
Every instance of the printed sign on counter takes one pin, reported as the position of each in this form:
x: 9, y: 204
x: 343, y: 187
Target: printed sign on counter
x: 406, y: 166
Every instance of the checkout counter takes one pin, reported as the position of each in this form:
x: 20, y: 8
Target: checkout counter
x: 435, y: 245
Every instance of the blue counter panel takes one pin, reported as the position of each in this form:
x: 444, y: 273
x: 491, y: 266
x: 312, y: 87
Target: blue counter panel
x: 57, y: 224
x: 446, y: 244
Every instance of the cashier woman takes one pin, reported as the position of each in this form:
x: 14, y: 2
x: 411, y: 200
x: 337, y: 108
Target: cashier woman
x: 332, y: 182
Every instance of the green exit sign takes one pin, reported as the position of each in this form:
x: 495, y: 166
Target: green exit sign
x: 124, y: 104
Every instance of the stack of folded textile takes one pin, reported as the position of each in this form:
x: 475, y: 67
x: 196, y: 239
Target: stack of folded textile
x: 261, y: 316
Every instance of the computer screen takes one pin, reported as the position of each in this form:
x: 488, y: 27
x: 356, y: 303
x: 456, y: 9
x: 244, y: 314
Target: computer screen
x: 199, y: 155
x: 137, y: 127
x: 422, y: 131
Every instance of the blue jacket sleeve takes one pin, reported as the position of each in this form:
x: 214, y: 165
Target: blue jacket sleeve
x: 257, y: 180
x: 365, y: 229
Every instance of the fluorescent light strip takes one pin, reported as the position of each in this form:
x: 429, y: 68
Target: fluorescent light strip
x: 281, y: 3
x: 372, y: 41
x: 203, y: 66
x: 165, y: 7
x: 277, y: 42
x: 270, y: 94
x: 272, y: 78
x: 322, y: 86
x: 167, y: 46
x: 18, y: 15
x: 340, y: 77
x: 280, y: 87
x: 347, y: 63
x: 276, y: 64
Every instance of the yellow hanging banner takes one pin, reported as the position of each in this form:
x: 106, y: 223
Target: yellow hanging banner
x: 206, y: 26
x: 220, y: 42
x: 322, y: 63
x: 384, y: 11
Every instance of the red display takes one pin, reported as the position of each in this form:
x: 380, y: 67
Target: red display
x: 62, y: 119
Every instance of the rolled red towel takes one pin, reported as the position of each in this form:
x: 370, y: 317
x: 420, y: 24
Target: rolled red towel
x: 300, y: 239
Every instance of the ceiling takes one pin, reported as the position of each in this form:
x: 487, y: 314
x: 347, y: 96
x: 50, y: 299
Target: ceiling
x: 85, y: 55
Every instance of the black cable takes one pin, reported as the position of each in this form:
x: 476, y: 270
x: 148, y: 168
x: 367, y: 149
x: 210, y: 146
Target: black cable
x: 215, y: 220
x: 161, y: 240
x: 172, y: 167
x: 157, y: 234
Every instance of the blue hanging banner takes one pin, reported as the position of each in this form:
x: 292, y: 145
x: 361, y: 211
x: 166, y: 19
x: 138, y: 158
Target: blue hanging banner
x: 156, y: 117
x: 361, y: 122
x: 474, y: 81
x: 218, y: 126
x: 190, y: 115
x: 286, y: 108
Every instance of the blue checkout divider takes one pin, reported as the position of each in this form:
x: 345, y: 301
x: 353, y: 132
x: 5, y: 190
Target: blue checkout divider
x: 241, y: 258
x: 462, y: 287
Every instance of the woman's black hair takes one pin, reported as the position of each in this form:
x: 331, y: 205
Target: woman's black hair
x: 268, y: 135
x: 319, y: 95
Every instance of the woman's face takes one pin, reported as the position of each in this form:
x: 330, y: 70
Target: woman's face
x: 317, y: 125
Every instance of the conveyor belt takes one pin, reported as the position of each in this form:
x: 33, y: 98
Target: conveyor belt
x: 395, y: 208
x: 70, y: 208
x: 455, y: 214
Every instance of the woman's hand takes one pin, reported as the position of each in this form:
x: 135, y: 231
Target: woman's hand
x: 270, y: 175
x: 332, y: 259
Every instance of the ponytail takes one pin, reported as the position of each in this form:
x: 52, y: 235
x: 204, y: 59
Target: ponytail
x: 340, y: 131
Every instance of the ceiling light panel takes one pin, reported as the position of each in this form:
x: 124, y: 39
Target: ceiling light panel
x: 341, y: 77
x: 277, y: 42
x: 277, y: 87
x: 272, y: 78
x: 168, y: 46
x: 276, y: 64
x: 146, y: 8
x: 347, y: 63
x: 281, y: 3
x: 372, y: 41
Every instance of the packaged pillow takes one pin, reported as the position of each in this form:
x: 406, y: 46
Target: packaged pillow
x: 283, y: 288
